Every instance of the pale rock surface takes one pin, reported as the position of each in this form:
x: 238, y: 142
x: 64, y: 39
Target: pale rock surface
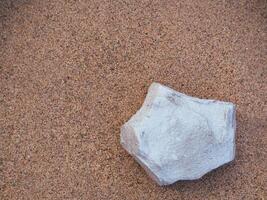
x: 177, y: 137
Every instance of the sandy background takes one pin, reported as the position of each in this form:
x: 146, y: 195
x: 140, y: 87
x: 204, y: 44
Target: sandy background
x: 72, y: 72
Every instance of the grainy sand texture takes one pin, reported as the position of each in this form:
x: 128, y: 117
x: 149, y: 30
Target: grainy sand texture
x: 72, y: 72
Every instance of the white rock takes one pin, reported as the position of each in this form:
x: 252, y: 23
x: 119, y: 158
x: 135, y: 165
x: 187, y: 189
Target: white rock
x: 177, y: 137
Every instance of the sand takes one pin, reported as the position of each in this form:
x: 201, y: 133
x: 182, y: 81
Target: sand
x: 72, y: 72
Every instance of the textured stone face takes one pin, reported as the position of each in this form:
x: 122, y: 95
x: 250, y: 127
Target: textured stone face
x: 177, y: 137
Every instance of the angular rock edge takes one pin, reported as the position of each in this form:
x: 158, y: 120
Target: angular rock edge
x: 201, y: 139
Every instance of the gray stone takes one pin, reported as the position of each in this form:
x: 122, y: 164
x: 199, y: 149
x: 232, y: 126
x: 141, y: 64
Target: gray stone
x: 177, y: 137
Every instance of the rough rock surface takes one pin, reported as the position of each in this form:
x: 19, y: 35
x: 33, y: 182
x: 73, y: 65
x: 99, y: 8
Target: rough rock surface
x: 177, y: 137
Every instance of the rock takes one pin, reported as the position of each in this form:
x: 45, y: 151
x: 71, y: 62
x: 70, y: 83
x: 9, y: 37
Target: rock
x: 177, y: 137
